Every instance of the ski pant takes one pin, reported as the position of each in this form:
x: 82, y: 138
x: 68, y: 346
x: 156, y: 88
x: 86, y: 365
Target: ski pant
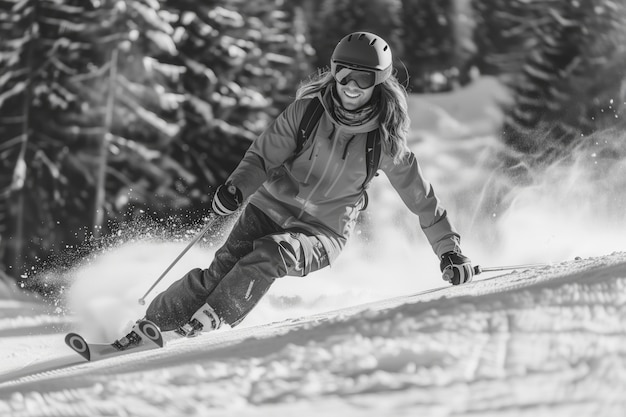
x: 256, y: 252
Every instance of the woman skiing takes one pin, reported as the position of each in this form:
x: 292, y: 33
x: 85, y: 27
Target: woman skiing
x: 303, y: 199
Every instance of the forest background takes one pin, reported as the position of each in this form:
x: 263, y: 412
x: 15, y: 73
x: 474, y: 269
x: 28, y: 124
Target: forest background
x: 121, y: 111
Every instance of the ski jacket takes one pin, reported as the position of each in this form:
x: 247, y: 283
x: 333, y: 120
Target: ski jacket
x: 320, y: 189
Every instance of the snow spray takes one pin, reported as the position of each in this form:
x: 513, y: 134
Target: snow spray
x: 572, y: 206
x: 511, y: 208
x: 104, y: 290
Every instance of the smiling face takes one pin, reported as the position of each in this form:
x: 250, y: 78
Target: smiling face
x: 352, y: 96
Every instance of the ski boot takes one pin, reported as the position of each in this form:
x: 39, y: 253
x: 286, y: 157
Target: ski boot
x: 205, y: 319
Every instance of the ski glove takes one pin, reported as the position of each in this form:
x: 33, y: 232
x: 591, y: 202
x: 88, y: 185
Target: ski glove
x: 457, y: 269
x: 227, y: 199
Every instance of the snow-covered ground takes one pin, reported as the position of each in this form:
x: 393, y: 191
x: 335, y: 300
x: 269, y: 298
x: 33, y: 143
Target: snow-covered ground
x: 376, y: 335
x: 541, y: 342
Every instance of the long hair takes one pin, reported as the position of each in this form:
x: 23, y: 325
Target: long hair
x: 393, y: 113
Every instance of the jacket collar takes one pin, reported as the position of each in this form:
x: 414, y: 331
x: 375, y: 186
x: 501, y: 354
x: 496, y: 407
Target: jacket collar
x: 327, y: 100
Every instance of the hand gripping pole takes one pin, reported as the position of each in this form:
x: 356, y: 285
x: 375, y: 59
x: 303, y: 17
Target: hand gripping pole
x: 195, y: 240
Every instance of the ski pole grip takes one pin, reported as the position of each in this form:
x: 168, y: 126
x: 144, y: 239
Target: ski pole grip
x: 477, y: 270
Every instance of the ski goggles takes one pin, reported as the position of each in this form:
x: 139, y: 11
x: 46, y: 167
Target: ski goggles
x: 344, y: 74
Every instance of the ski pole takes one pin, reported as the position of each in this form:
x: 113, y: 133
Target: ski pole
x: 479, y: 269
x: 195, y: 240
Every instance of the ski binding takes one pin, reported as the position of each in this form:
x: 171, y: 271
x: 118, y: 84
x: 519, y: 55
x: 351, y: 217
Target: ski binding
x: 144, y: 335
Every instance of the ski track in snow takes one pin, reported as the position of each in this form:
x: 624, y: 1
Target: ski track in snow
x: 540, y: 342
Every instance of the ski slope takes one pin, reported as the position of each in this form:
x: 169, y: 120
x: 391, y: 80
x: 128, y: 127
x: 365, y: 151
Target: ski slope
x: 374, y: 335
x: 539, y: 342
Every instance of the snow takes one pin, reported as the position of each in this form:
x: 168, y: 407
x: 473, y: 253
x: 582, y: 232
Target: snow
x: 379, y: 333
x: 545, y: 341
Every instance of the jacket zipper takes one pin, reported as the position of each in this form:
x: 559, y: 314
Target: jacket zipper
x: 343, y: 166
x: 313, y: 159
x: 313, y: 154
x: 317, y: 185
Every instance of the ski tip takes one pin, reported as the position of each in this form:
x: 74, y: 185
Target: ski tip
x: 151, y: 332
x: 78, y: 345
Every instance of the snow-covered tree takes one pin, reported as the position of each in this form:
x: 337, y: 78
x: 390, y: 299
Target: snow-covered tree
x: 331, y: 20
x: 429, y: 43
x: 573, y: 82
x: 42, y: 52
x: 241, y: 67
x: 504, y: 31
x: 110, y: 108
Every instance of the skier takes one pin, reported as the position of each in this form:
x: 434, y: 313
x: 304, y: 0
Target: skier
x: 303, y: 198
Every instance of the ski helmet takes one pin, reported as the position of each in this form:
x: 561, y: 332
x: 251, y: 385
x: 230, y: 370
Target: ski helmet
x: 363, y: 51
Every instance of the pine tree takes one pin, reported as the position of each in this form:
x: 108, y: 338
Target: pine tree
x: 331, y: 20
x: 131, y: 107
x: 65, y: 104
x: 240, y: 72
x: 41, y: 51
x: 504, y: 31
x: 140, y: 106
x: 570, y: 83
x: 429, y: 42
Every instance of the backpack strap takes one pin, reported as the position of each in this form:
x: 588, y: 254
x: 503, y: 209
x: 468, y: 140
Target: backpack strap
x: 372, y: 156
x: 311, y: 118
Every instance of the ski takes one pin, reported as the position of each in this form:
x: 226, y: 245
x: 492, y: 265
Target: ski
x: 144, y: 335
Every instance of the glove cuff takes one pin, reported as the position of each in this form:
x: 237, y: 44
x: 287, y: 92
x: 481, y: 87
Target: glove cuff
x: 226, y: 202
